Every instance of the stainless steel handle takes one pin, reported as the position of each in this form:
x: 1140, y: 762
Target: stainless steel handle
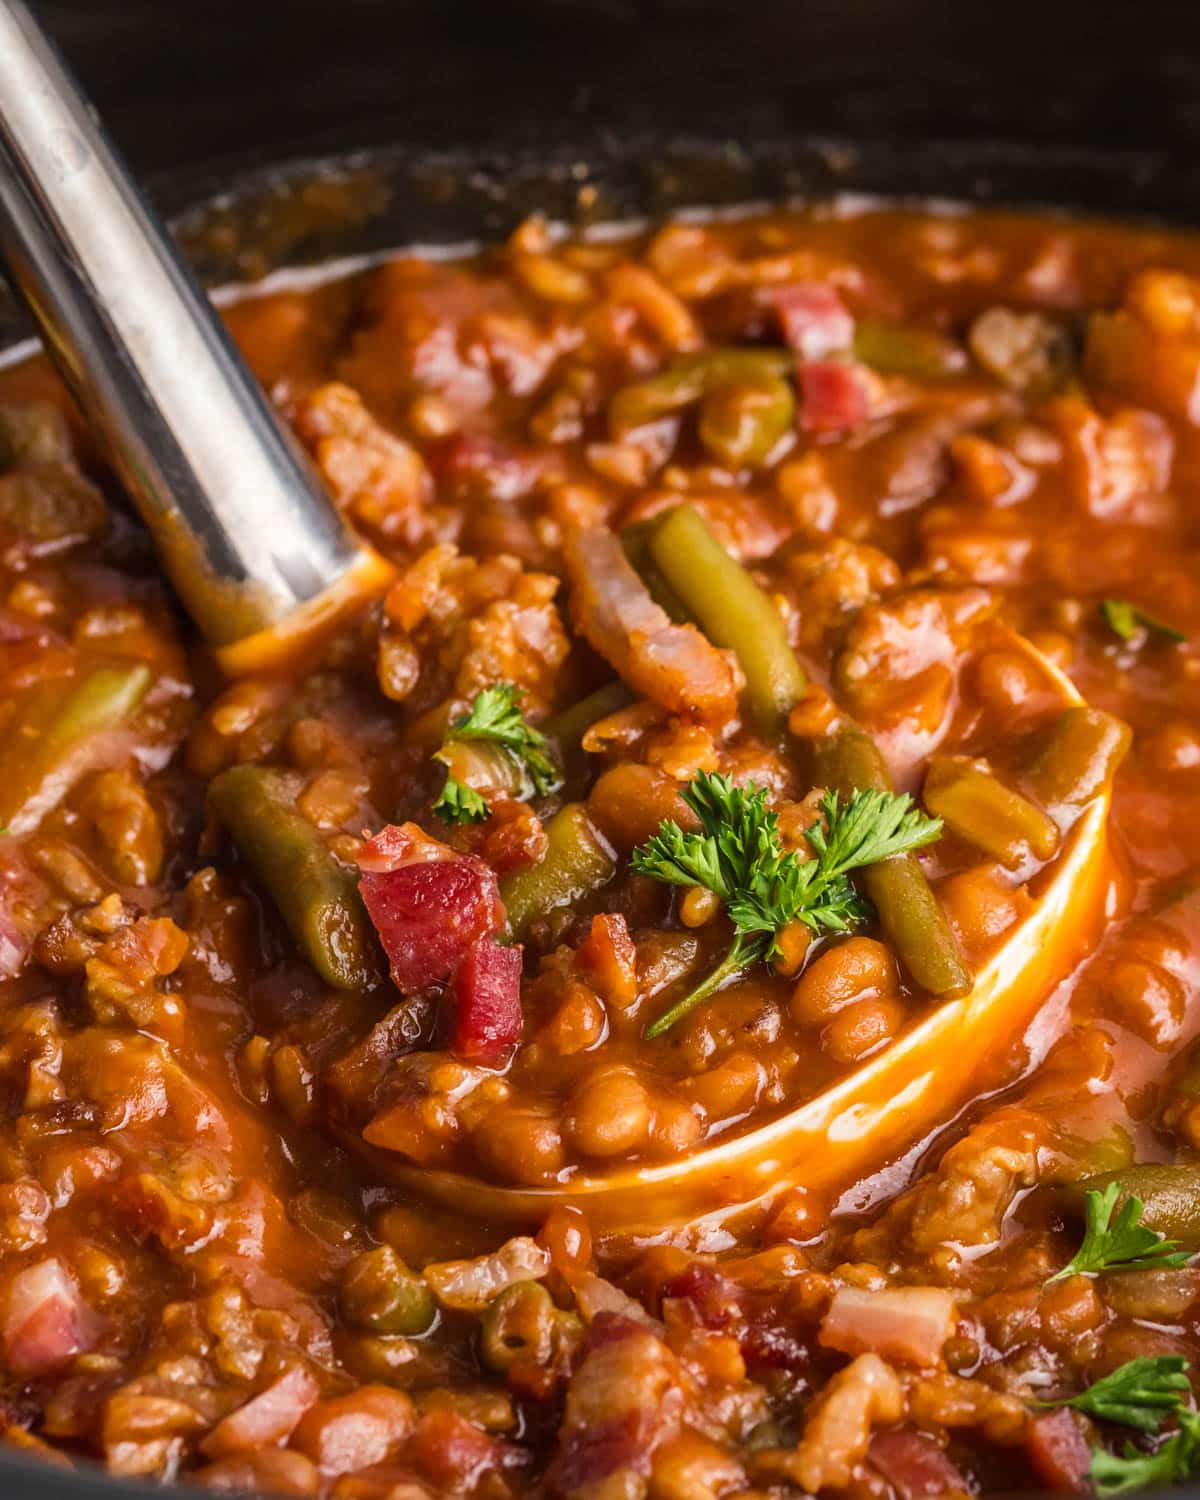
x: 241, y: 520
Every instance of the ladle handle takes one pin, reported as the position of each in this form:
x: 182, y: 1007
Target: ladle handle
x: 244, y: 527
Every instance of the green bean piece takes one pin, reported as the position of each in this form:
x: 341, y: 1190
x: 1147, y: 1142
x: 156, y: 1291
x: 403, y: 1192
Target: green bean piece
x: 577, y: 862
x: 48, y: 747
x: 909, y: 912
x: 381, y: 1295
x: 733, y: 612
x: 1170, y: 1194
x: 1077, y: 757
x: 646, y: 401
x: 976, y: 805
x: 743, y: 424
x: 907, y: 349
x: 518, y: 1325
x: 567, y: 728
x: 315, y: 894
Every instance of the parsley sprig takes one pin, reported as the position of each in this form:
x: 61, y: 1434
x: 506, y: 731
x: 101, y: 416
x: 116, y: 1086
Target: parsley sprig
x: 1134, y: 1469
x: 1130, y: 622
x: 1141, y: 1393
x: 1123, y: 1243
x: 738, y: 855
x: 495, y: 719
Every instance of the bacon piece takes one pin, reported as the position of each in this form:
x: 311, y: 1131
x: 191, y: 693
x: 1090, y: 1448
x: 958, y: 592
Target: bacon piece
x: 914, y: 1465
x: 46, y: 1321
x: 833, y: 397
x: 674, y: 665
x: 352, y: 1432
x: 487, y: 998
x: 269, y: 1471
x: 812, y: 318
x: 1058, y: 1452
x: 427, y: 905
x: 267, y: 1418
x: 908, y: 1323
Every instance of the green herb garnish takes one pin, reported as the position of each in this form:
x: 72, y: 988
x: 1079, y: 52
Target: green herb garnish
x: 739, y: 857
x: 1141, y: 1393
x: 495, y: 719
x: 1119, y: 1473
x: 1120, y: 1244
x: 1129, y: 622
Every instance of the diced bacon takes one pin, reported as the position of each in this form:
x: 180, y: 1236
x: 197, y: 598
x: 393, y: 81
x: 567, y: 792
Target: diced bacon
x: 1058, y: 1451
x: 267, y: 1418
x: 14, y: 946
x: 909, y: 1323
x: 609, y: 1312
x: 914, y: 1465
x: 487, y: 1003
x: 352, y: 1432
x: 46, y: 1321
x: 673, y: 665
x: 812, y: 318
x: 833, y: 397
x: 469, y: 1285
x: 474, y: 461
x: 428, y: 908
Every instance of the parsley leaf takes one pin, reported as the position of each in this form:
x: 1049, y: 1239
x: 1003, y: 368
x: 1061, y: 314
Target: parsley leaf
x: 1129, y: 622
x: 495, y: 721
x: 460, y: 804
x: 1141, y: 1393
x: 1117, y: 1474
x: 738, y: 855
x: 1123, y: 1243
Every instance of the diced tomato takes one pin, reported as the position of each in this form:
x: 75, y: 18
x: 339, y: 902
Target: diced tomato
x: 266, y: 1418
x: 909, y: 1323
x: 351, y: 1432
x: 914, y: 1465
x: 1059, y: 1452
x: 812, y: 318
x: 46, y: 1321
x: 833, y: 397
x: 487, y: 1000
x: 428, y: 907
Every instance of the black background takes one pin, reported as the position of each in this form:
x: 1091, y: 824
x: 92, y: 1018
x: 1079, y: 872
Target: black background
x: 188, y: 81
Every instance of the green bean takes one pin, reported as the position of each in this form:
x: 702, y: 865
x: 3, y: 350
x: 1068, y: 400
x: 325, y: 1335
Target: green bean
x: 977, y: 806
x: 733, y: 612
x: 577, y: 862
x: 1077, y: 757
x: 518, y: 1325
x: 316, y: 895
x: 907, y: 349
x: 566, y: 728
x: 743, y: 424
x: 1170, y: 1194
x: 646, y: 401
x: 47, y: 749
x: 381, y: 1295
x: 909, y: 912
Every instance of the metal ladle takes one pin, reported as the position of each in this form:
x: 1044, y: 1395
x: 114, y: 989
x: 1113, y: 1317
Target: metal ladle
x: 241, y: 520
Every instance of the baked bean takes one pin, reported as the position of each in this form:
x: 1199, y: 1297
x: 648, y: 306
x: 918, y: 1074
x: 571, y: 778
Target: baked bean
x: 629, y: 802
x: 1147, y: 999
x: 1174, y: 748
x: 982, y: 904
x: 520, y: 1143
x: 1006, y: 680
x: 676, y: 1127
x: 609, y: 1114
x: 859, y: 968
x: 729, y: 1089
x: 860, y: 1027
